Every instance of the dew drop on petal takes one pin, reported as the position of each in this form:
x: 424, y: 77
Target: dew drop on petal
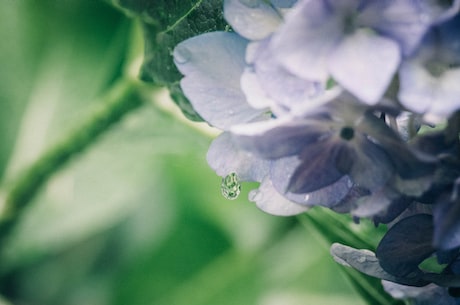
x: 182, y: 55
x: 230, y: 186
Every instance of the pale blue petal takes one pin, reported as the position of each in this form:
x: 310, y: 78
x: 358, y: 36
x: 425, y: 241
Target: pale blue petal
x: 424, y: 93
x: 364, y: 64
x: 418, y: 88
x: 224, y: 157
x: 212, y: 65
x: 303, y: 43
x: 270, y: 201
x: 253, y: 20
x: 252, y: 88
x: 291, y: 93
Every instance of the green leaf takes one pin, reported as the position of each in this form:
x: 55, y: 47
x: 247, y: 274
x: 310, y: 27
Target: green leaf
x: 165, y: 24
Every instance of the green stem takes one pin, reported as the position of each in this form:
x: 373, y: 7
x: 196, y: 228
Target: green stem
x: 121, y: 99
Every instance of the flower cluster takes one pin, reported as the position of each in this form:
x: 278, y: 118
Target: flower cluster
x: 351, y: 105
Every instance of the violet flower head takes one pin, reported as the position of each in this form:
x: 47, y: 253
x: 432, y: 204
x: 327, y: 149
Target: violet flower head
x: 342, y: 146
x: 330, y: 103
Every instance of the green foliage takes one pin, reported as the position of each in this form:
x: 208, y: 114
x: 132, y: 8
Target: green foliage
x: 165, y: 24
x: 112, y: 199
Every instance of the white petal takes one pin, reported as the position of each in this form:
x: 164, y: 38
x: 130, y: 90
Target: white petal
x: 212, y: 64
x: 270, y: 201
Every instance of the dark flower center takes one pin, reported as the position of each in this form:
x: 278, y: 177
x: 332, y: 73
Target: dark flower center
x: 347, y: 133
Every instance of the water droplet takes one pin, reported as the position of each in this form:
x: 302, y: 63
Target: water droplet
x: 182, y: 55
x: 230, y: 186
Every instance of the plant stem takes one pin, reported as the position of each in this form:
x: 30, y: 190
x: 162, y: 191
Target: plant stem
x: 121, y: 99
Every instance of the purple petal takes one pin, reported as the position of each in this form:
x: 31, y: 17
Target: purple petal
x: 405, y: 21
x: 277, y: 138
x: 371, y: 167
x: 212, y: 64
x: 364, y: 64
x: 329, y: 196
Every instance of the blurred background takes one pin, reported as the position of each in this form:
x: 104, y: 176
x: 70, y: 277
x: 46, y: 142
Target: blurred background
x: 137, y: 218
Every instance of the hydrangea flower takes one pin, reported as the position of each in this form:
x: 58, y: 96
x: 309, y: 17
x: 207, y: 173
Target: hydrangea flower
x: 327, y: 103
x: 340, y: 147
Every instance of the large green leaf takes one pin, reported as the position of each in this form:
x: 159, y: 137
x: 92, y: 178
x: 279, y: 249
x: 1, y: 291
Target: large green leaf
x: 165, y: 24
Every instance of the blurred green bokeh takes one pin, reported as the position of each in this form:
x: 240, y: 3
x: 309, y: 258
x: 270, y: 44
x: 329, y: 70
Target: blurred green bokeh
x: 138, y: 218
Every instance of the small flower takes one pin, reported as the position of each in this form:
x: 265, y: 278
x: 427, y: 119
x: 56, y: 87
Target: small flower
x: 358, y: 43
x: 339, y: 146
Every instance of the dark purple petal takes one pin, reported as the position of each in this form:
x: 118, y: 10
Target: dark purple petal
x: 277, y: 138
x: 371, y: 168
x: 406, y: 245
x: 407, y: 163
x: 318, y: 167
x: 446, y: 215
x: 329, y: 196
